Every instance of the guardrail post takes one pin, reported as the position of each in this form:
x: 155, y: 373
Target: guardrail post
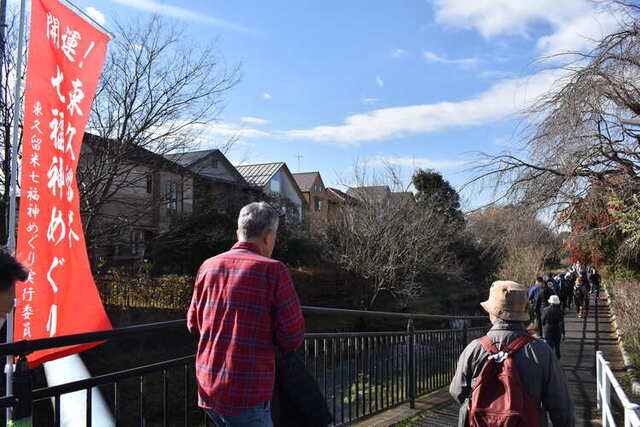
x: 598, y: 379
x: 22, y: 388
x: 411, y: 336
x: 606, y: 395
x: 628, y: 410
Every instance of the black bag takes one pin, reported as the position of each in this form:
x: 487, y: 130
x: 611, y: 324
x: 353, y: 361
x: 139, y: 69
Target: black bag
x: 297, y: 398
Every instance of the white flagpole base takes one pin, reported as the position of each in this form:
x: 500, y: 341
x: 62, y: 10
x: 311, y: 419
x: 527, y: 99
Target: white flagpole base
x: 73, y: 406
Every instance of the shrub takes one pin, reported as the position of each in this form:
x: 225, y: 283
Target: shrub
x: 170, y: 291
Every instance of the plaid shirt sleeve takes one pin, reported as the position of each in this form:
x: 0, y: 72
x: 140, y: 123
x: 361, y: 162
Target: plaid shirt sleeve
x: 192, y: 314
x: 289, y: 323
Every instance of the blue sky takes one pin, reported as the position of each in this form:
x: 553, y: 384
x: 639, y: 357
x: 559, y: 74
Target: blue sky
x: 414, y: 83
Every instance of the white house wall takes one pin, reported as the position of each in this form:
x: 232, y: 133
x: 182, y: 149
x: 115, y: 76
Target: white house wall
x: 288, y: 190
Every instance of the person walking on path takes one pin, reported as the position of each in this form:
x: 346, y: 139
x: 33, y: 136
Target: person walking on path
x: 580, y: 296
x: 595, y: 281
x: 539, y: 370
x: 533, y: 295
x: 244, y: 308
x: 553, y: 324
x: 541, y: 302
x: 533, y: 290
x: 567, y: 291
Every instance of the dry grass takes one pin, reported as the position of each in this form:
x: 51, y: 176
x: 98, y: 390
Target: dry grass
x: 626, y: 303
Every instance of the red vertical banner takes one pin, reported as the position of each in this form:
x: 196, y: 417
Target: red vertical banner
x: 65, y: 57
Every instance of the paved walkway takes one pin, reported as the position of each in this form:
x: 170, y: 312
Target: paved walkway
x: 584, y: 338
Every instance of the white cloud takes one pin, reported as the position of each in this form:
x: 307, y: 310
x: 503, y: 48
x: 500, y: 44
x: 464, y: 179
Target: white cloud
x: 434, y: 57
x: 416, y: 162
x: 574, y: 23
x: 398, y: 53
x: 506, y: 17
x: 379, y: 81
x: 579, y: 33
x: 180, y: 13
x: 95, y: 14
x: 230, y: 129
x: 255, y: 120
x: 496, y: 74
x: 370, y: 100
x: 266, y: 96
x: 502, y: 100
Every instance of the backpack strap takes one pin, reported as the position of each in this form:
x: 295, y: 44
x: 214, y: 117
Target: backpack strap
x: 488, y: 345
x: 518, y: 343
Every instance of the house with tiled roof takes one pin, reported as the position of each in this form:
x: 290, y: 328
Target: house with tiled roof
x: 380, y: 193
x: 317, y: 198
x: 276, y: 179
x: 147, y: 192
x: 216, y: 180
x: 336, y: 200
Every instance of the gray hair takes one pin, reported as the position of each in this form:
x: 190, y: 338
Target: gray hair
x: 256, y: 218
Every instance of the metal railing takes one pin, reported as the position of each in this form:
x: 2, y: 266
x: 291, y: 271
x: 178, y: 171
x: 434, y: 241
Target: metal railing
x: 605, y: 380
x: 359, y: 373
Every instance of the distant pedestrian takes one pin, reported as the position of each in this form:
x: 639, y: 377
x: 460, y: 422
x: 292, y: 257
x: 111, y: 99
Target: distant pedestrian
x: 596, y: 281
x: 552, y: 283
x: 11, y: 271
x: 244, y: 308
x: 533, y: 290
x: 553, y: 324
x: 509, y: 378
x: 567, y: 291
x: 532, y: 295
x: 542, y: 301
x: 580, y: 297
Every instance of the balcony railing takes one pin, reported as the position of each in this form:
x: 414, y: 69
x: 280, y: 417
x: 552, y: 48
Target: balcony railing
x: 359, y: 373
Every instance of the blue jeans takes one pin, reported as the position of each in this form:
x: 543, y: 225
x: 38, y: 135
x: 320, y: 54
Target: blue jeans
x: 258, y: 416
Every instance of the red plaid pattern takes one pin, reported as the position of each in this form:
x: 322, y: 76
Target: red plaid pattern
x: 243, y: 306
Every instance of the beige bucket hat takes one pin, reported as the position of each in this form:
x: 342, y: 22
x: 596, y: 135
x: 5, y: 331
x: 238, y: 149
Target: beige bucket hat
x: 508, y: 301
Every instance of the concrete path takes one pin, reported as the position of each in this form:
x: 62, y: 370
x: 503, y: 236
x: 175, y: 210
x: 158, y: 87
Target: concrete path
x: 584, y: 338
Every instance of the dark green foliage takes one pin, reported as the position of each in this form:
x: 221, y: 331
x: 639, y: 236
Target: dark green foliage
x: 433, y: 190
x: 210, y: 231
x: 192, y: 239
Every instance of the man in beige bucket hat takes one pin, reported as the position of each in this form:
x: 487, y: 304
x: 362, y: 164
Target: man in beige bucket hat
x: 540, y: 372
x: 508, y: 301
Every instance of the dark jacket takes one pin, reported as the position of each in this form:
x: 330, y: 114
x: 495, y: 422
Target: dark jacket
x: 581, y: 293
x: 553, y: 320
x: 539, y: 370
x: 585, y: 281
x: 542, y: 299
x: 297, y: 400
x: 595, y: 280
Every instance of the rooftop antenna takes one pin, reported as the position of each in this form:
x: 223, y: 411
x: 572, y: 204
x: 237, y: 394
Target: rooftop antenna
x: 299, y: 157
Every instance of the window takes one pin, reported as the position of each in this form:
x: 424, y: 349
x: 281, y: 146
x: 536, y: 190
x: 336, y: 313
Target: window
x: 137, y: 242
x: 149, y: 183
x: 317, y: 204
x: 275, y: 184
x: 317, y: 188
x: 214, y: 163
x: 171, y: 194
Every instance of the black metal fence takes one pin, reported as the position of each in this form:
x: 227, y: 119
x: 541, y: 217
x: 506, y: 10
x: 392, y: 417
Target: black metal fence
x: 359, y: 373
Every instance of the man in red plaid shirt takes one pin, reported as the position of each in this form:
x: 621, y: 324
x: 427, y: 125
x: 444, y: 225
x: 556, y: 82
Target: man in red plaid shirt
x: 244, y: 307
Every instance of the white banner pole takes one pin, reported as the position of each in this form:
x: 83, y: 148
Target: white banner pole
x: 11, y: 241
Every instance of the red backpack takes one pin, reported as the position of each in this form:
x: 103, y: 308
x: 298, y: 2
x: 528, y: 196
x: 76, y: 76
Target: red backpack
x: 498, y: 398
